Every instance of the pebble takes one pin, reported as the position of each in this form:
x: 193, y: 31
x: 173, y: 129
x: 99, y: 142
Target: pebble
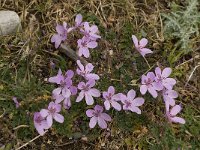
x: 9, y: 22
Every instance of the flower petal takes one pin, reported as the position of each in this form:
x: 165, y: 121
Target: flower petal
x: 80, y: 96
x: 123, y: 97
x: 51, y: 105
x: 111, y: 90
x: 107, y: 105
x: 56, y: 91
x: 116, y: 105
x: 143, y: 89
x: 57, y: 108
x: 105, y: 94
x: 138, y: 101
x: 60, y: 29
x: 135, y: 40
x: 65, y: 25
x: 59, y: 118
x: 49, y: 120
x: 171, y: 101
x: 80, y: 65
x: 143, y: 42
x: 168, y: 86
x: 90, y: 112
x: 90, y: 83
x: 170, y: 81
x: 157, y: 86
x: 135, y: 109
x: 118, y: 97
x: 98, y: 108
x: 39, y: 129
x: 67, y: 103
x: 78, y: 19
x: 131, y: 94
x: 73, y: 90
x: 66, y: 92
x: 92, y: 76
x: 57, y: 39
x: 166, y: 72
x: 93, y: 122
x: 167, y: 108
x: 106, y: 117
x: 86, y: 26
x: 175, y: 110
x: 102, y: 123
x: 56, y: 79
x: 58, y: 98
x: 178, y: 120
x: 92, y: 44
x: 145, y: 51
x: 172, y: 93
x: 81, y: 85
x: 86, y: 52
x: 94, y: 29
x: 44, y: 112
x: 158, y: 71
x: 80, y: 52
x: 153, y: 92
x: 69, y: 74
x: 89, y: 67
x: 144, y: 78
x: 94, y: 92
x: 151, y: 75
x: 89, y: 99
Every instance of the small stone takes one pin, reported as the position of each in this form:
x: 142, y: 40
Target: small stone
x: 111, y: 52
x: 9, y: 23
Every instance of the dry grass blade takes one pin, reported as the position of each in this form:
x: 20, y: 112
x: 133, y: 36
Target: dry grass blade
x: 71, y: 53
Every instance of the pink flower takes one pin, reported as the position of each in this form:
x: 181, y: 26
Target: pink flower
x: 162, y: 79
x: 84, y: 44
x: 169, y: 96
x: 88, y: 92
x: 60, y: 78
x: 86, y: 71
x: 52, y: 113
x: 90, y: 32
x: 171, y: 114
x: 78, y: 22
x: 131, y: 103
x: 67, y: 103
x: 61, y: 93
x: 16, y: 102
x: 64, y: 95
x: 40, y: 123
x: 97, y: 115
x: 140, y: 46
x: 148, y: 84
x: 111, y: 99
x: 61, y: 35
x: 65, y: 89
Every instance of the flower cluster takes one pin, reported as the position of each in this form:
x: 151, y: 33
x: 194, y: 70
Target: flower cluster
x: 160, y: 81
x: 85, y: 89
x: 89, y: 35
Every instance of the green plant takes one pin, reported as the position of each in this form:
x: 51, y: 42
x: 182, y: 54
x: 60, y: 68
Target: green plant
x: 182, y: 24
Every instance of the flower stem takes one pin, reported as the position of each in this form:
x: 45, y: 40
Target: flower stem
x: 147, y: 62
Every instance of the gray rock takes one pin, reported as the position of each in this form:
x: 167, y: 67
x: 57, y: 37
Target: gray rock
x: 9, y: 22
